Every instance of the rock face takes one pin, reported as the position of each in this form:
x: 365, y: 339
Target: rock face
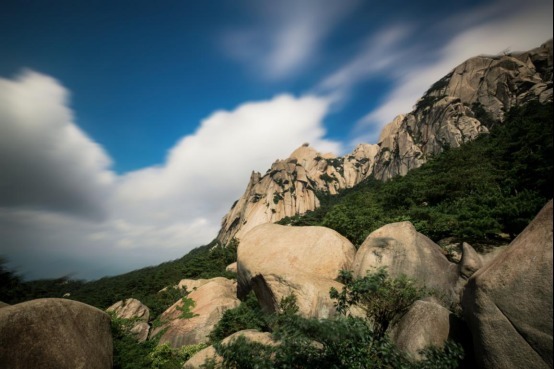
x: 276, y: 261
x: 134, y: 310
x: 508, y: 303
x: 456, y: 109
x: 290, y: 186
x: 425, y: 324
x: 55, y: 334
x: 462, y: 105
x: 252, y: 335
x: 190, y: 325
x: 402, y: 250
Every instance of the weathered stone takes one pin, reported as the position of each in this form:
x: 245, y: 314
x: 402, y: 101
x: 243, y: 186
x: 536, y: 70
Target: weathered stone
x: 403, y: 251
x: 289, y: 187
x: 192, y: 284
x: 470, y: 262
x: 277, y: 261
x: 447, y: 115
x: 209, y: 352
x: 54, y: 334
x: 232, y: 267
x: 425, y: 324
x: 136, y: 311
x: 130, y: 309
x: 508, y: 303
x: 210, y: 301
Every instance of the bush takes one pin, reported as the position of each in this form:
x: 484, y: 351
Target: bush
x: 384, y: 300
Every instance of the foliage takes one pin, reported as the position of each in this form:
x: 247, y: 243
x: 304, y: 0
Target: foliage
x: 344, y: 342
x: 186, y: 308
x: 127, y: 352
x: 248, y: 315
x: 384, y: 300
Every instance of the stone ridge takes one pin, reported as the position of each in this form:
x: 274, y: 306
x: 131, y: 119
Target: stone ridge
x: 463, y: 104
x: 456, y: 109
x: 290, y: 187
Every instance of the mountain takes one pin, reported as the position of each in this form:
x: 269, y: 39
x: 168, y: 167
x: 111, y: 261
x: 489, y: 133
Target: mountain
x: 291, y: 186
x: 465, y: 103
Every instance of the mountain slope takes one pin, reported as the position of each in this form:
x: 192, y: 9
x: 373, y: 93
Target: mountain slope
x: 467, y: 102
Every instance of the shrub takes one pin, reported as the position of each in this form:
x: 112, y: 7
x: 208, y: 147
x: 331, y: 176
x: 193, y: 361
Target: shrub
x: 384, y: 300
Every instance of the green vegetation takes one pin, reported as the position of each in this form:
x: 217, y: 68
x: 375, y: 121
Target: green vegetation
x: 344, y: 342
x: 482, y: 192
x: 143, y: 284
x: 186, y: 308
x: 129, y: 354
x: 384, y: 300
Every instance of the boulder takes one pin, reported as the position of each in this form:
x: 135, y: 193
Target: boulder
x: 425, y: 324
x: 402, y: 250
x: 135, y: 311
x: 209, y: 352
x: 470, y: 261
x: 191, y: 284
x: 276, y: 261
x: 189, y: 325
x: 508, y: 303
x: 232, y: 267
x: 55, y: 334
x: 3, y: 304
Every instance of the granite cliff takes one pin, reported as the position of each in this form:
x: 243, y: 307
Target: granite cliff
x: 465, y: 103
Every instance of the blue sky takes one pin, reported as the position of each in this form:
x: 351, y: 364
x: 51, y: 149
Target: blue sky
x: 128, y: 128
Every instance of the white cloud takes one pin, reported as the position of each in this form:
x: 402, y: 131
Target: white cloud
x: 286, y: 35
x: 46, y: 161
x: 516, y: 27
x: 150, y: 215
x: 206, y: 171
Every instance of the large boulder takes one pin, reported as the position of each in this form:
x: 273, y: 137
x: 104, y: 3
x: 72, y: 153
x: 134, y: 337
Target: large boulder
x: 137, y: 312
x: 209, y: 352
x: 402, y: 250
x: 425, y: 324
x: 54, y: 334
x: 508, y: 303
x: 276, y: 261
x: 190, y: 320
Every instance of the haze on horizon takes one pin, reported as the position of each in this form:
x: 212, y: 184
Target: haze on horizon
x: 127, y: 130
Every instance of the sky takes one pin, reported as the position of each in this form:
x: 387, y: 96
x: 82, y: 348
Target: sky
x: 129, y: 128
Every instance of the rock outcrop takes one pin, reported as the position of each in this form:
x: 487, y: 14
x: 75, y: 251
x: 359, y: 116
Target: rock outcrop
x: 276, y: 261
x: 508, y: 303
x: 290, y: 186
x: 190, y: 320
x: 456, y: 109
x: 209, y: 352
x: 462, y: 105
x: 402, y: 250
x: 425, y: 324
x: 55, y: 334
x: 137, y: 312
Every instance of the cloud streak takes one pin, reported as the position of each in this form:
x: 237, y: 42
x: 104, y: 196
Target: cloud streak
x: 286, y: 35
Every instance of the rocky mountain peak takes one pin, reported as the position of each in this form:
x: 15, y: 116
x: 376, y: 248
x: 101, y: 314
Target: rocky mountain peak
x: 465, y: 103
x: 291, y: 185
